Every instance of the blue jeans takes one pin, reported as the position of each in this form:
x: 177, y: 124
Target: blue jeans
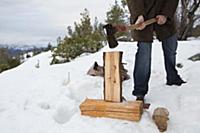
x: 142, y: 68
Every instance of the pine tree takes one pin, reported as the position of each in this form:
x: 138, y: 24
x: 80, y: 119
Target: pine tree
x: 59, y: 40
x: 85, y: 38
x: 124, y: 3
x: 49, y: 47
x: 118, y: 15
x: 7, y: 61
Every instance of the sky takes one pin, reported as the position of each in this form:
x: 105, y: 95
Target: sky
x: 42, y: 21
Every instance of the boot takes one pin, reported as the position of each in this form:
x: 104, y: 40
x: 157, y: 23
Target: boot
x: 178, y: 82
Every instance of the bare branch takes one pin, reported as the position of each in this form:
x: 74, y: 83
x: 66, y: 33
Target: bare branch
x: 196, y: 17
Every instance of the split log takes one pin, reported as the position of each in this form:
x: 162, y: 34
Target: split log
x: 112, y: 76
x: 131, y: 110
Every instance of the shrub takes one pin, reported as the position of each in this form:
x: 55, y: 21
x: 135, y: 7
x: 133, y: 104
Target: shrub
x: 7, y: 61
x: 4, y: 67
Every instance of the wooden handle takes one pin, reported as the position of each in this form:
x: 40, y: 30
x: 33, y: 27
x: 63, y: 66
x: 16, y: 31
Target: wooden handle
x: 135, y: 26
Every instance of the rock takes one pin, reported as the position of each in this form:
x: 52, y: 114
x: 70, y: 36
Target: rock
x: 160, y: 117
x: 95, y: 70
x: 179, y: 65
x: 195, y: 57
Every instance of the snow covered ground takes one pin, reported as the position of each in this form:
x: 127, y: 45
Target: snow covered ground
x: 47, y: 99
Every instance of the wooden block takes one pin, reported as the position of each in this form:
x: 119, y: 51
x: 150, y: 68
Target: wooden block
x: 130, y: 106
x: 131, y: 111
x: 114, y: 115
x: 112, y: 76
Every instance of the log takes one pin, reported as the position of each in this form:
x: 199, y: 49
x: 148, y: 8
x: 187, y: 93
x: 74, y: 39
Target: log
x: 112, y: 76
x: 131, y: 110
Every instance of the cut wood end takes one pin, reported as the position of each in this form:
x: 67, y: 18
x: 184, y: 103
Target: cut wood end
x: 112, y: 52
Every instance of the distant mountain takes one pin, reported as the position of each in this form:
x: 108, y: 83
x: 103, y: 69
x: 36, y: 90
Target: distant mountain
x: 22, y: 47
x: 15, y: 50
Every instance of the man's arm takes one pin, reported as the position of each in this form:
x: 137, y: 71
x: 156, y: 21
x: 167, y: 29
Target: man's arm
x: 169, y: 8
x: 136, y: 8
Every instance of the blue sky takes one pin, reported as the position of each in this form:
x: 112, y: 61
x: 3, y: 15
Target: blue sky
x: 42, y: 21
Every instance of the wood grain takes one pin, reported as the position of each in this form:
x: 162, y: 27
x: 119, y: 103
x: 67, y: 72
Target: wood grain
x: 112, y: 76
x: 131, y: 110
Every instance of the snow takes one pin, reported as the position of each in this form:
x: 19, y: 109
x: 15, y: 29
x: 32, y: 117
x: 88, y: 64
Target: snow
x: 47, y: 98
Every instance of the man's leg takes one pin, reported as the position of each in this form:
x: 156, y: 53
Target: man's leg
x: 169, y: 48
x: 142, y: 69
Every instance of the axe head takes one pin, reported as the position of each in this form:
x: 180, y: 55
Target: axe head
x: 110, y: 35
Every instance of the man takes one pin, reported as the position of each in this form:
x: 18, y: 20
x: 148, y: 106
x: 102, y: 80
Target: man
x: 165, y: 30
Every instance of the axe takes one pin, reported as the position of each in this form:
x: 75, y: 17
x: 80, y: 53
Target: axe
x: 111, y: 30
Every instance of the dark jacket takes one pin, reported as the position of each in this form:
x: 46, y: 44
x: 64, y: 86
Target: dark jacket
x: 149, y: 9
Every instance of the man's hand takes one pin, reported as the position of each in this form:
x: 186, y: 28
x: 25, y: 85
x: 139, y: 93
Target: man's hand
x: 140, y: 21
x: 120, y: 28
x: 161, y: 19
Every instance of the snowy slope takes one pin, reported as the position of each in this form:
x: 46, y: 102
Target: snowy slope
x: 47, y: 99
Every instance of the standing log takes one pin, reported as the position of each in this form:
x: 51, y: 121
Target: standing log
x: 112, y: 76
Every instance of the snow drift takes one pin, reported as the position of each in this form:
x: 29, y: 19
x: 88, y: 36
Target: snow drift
x: 47, y: 98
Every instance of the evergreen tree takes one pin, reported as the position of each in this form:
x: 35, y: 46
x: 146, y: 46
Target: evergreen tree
x: 4, y: 56
x: 6, y: 61
x: 124, y: 3
x: 118, y: 15
x: 59, y: 40
x: 70, y: 31
x: 49, y: 47
x: 84, y: 38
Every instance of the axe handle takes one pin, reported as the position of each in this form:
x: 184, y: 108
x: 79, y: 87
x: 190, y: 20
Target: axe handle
x: 135, y: 26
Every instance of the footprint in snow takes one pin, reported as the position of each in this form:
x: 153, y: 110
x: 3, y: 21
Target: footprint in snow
x: 2, y: 110
x: 63, y: 114
x: 44, y: 105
